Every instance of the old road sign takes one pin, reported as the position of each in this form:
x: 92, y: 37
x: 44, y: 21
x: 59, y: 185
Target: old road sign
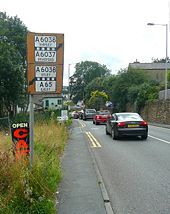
x: 45, y: 55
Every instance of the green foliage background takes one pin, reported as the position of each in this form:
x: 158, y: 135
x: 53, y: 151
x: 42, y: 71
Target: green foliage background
x: 12, y: 64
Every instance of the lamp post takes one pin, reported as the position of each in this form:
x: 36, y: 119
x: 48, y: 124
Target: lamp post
x: 69, y: 91
x: 166, y: 60
x: 69, y: 81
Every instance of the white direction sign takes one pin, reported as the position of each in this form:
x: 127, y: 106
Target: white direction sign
x: 45, y: 78
x: 45, y: 48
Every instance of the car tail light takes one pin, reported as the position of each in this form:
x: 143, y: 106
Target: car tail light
x: 121, y: 124
x: 97, y: 117
x: 144, y: 123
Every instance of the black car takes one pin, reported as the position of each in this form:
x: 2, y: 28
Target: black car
x: 126, y: 124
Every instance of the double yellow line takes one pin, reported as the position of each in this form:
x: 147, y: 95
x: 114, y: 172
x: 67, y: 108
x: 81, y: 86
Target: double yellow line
x: 82, y: 124
x: 95, y: 143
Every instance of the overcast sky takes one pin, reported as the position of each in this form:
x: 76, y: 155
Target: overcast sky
x: 110, y: 32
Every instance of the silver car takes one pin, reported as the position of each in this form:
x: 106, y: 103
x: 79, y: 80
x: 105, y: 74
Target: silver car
x: 89, y: 114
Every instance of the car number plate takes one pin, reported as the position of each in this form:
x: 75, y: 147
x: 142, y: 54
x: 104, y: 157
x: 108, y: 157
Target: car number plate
x: 133, y: 125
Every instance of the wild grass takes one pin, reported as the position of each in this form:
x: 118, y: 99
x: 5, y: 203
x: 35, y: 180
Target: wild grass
x: 32, y: 190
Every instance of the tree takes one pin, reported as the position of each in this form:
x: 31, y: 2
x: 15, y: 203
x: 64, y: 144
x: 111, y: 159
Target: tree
x: 156, y: 60
x: 132, y: 93
x: 12, y: 62
x: 168, y: 77
x: 147, y: 92
x: 94, y: 85
x: 123, y: 81
x: 11, y: 77
x: 97, y: 100
x: 85, y: 72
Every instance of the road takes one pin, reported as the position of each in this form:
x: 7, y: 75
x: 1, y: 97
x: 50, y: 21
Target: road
x: 136, y: 173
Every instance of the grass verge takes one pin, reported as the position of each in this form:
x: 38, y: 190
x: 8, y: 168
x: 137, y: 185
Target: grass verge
x: 24, y: 190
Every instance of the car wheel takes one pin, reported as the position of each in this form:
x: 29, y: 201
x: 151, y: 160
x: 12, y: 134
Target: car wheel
x: 144, y: 137
x: 113, y: 134
x: 96, y: 123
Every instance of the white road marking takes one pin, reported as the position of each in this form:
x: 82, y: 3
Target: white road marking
x: 159, y: 139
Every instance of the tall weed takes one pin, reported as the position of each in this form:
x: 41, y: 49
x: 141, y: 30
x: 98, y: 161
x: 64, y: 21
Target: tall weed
x: 24, y: 190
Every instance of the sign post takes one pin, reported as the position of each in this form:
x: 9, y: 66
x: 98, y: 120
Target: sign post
x: 45, y: 57
x: 45, y: 53
x: 31, y: 133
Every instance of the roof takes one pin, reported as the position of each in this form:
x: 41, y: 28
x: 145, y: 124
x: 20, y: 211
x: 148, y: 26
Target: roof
x: 54, y: 97
x: 149, y: 66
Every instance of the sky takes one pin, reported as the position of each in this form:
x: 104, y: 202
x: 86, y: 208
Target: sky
x: 111, y: 32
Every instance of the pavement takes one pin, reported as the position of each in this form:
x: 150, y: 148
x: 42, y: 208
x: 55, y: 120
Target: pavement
x: 81, y: 190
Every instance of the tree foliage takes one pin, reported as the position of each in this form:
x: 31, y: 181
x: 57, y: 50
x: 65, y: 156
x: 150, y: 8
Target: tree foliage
x: 163, y: 60
x: 123, y: 82
x: 85, y: 72
x: 97, y: 100
x: 129, y: 86
x: 12, y: 62
x: 168, y: 77
x: 94, y: 85
x: 146, y: 92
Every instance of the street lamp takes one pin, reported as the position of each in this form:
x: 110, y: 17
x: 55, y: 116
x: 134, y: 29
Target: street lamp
x: 69, y: 91
x: 166, y: 61
x: 69, y: 81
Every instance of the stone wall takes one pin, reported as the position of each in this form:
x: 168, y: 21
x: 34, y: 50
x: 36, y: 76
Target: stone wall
x: 157, y: 112
x: 162, y: 94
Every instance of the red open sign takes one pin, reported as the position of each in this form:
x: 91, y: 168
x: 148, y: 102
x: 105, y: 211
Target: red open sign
x: 20, y: 137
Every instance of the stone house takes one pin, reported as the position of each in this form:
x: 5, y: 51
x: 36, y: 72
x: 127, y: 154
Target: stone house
x: 155, y: 70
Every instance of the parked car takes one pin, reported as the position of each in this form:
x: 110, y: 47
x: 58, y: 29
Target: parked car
x: 126, y: 124
x: 61, y: 119
x: 101, y: 117
x: 89, y: 114
x: 74, y: 115
x: 80, y: 114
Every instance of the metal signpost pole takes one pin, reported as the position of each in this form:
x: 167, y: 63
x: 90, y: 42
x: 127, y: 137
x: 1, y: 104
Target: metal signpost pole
x: 45, y: 54
x: 69, y: 81
x: 166, y: 63
x: 31, y: 122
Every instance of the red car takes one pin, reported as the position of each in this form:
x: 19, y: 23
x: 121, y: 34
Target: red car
x: 101, y: 117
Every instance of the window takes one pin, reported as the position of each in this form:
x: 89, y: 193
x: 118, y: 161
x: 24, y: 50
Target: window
x: 113, y: 117
x: 59, y: 102
x: 47, y: 103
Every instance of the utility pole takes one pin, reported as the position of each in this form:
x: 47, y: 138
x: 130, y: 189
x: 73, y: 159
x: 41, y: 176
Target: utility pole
x: 69, y: 81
